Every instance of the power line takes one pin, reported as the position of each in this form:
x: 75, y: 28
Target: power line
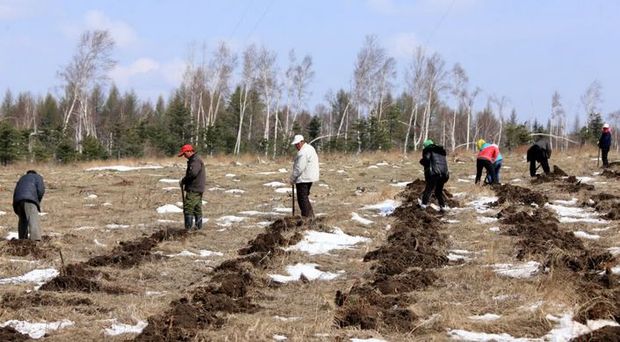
x: 259, y: 20
x: 440, y: 22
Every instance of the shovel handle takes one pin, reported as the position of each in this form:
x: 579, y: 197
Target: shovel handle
x: 293, y: 198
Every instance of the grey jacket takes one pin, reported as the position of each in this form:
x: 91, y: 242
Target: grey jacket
x: 29, y: 188
x: 195, y: 175
x: 544, y: 145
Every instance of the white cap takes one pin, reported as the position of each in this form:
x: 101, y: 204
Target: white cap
x: 297, y: 139
x: 606, y: 126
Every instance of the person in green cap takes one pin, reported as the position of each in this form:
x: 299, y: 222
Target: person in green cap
x: 435, y: 173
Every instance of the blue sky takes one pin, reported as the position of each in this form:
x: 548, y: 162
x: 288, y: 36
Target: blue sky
x: 522, y: 49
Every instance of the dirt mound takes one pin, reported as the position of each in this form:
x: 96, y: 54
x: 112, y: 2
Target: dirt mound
x: 553, y: 176
x: 516, y: 194
x: 24, y: 247
x: 572, y: 184
x: 283, y: 232
x: 608, y: 204
x: 11, y: 335
x: 605, y: 334
x: 403, y: 283
x: 414, y: 190
x: 610, y: 173
x: 15, y: 302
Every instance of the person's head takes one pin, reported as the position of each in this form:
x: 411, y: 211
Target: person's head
x: 298, y: 141
x: 31, y: 171
x: 427, y: 143
x: 187, y: 151
x: 479, y: 143
x: 606, y: 127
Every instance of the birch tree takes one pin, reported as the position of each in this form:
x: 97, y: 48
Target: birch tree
x: 248, y: 76
x: 267, y: 83
x: 558, y: 121
x: 435, y: 76
x: 88, y: 66
x: 415, y: 84
x: 220, y: 71
x: 459, y: 91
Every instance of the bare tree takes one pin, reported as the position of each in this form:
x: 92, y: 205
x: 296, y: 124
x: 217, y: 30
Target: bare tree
x: 591, y: 99
x: 415, y: 84
x: 471, y: 98
x: 247, y: 82
x: 220, y: 70
x: 435, y: 76
x: 88, y: 66
x: 459, y: 91
x: 500, y: 103
x: 267, y: 84
x: 558, y: 121
x: 298, y: 78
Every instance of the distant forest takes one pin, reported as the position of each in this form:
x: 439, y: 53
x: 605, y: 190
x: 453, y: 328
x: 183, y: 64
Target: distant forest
x: 229, y: 104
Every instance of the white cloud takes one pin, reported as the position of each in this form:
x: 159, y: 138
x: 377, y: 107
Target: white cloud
x: 123, y: 33
x: 173, y: 71
x: 19, y: 9
x: 123, y: 74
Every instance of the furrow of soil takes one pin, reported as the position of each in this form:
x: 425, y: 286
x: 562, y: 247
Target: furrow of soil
x: 403, y: 264
x: 231, y: 288
x: 563, y: 181
x: 81, y: 277
x: 541, y: 237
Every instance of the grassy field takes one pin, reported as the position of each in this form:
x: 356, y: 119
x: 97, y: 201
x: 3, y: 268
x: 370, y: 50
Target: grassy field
x: 90, y: 212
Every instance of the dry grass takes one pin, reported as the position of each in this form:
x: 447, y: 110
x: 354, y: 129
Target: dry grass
x: 74, y: 222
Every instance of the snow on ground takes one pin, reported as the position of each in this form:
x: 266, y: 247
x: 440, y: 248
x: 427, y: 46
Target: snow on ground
x: 216, y: 188
x: 400, y: 184
x: 572, y: 201
x: 274, y: 184
x: 228, y: 220
x: 170, y: 188
x: 279, y: 338
x: 99, y: 243
x: 229, y: 175
x: 494, y: 229
x: 91, y: 196
x: 310, y: 271
x: 357, y: 218
x: 202, y: 253
x: 123, y: 168
x: 450, y: 221
x: 284, y: 190
x: 282, y: 170
x: 481, y: 204
x: 283, y: 210
x: 12, y: 235
x: 169, y: 180
x: 322, y: 243
x: 116, y: 226
x: 485, y: 317
x: 524, y: 270
x: 235, y: 191
x: 35, y: 276
x: 36, y: 330
x: 585, y: 179
x: 567, y: 328
x: 169, y: 209
x: 586, y: 235
x: 516, y: 180
x: 385, y: 208
x: 615, y: 251
x: 373, y: 167
x: 341, y: 171
x: 286, y: 319
x: 460, y: 180
x: 266, y: 173
x: 464, y: 335
x: 121, y: 328
x: 485, y: 219
x: 253, y: 213
x: 324, y: 185
x: 576, y: 214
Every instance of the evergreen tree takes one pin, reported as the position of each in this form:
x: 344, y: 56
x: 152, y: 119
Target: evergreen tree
x: 11, y: 143
x: 92, y: 149
x: 314, y: 130
x: 595, y: 125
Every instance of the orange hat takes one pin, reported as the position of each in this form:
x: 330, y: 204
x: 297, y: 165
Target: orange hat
x: 186, y: 148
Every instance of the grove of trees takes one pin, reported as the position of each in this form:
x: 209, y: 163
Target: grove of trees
x: 253, y: 103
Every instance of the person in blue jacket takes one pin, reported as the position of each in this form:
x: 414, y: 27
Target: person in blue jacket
x: 27, y: 197
x: 498, y: 162
x: 604, y: 143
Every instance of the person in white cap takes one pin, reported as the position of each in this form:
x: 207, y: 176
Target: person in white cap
x: 305, y: 172
x: 604, y: 143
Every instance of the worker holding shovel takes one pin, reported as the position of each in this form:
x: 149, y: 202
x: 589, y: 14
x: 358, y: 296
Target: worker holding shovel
x: 305, y: 172
x: 604, y: 144
x: 192, y: 187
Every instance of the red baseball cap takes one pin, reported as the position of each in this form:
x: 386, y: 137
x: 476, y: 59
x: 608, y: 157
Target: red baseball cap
x: 186, y: 148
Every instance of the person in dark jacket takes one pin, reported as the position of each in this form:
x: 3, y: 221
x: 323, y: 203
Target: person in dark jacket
x: 194, y: 185
x: 27, y: 198
x: 540, y: 152
x: 435, y: 172
x: 604, y: 143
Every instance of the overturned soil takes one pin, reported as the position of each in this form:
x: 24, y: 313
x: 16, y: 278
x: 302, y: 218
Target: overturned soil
x: 24, y: 247
x: 15, y: 302
x: 553, y: 176
x: 611, y: 174
x: 608, y: 204
x: 516, y: 194
x: 605, y: 334
x: 11, y: 335
x: 565, y: 181
x: 414, y: 190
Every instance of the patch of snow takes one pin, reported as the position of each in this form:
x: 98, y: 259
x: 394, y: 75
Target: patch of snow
x: 169, y: 180
x: 235, y: 191
x: 340, y: 171
x: 481, y: 204
x: 310, y: 271
x: 460, y: 180
x: 524, y: 270
x: 373, y: 167
x: 615, y: 251
x: 575, y: 214
x: 169, y: 209
x: 385, y: 208
x: 322, y: 243
x: 12, y: 235
x: 279, y: 338
x: 323, y: 185
x: 36, y: 330
x: 451, y: 221
x: 170, y: 188
x: 533, y: 307
x: 252, y: 213
x: 266, y: 173
x: 615, y: 270
x: 600, y: 229
x: 216, y: 188
x: 457, y: 257
x: 473, y: 336
x: 116, y: 226
x: 357, y: 218
x: 494, y: 229
x: 35, y: 276
x: 400, y: 184
x: 586, y: 235
x: 153, y: 293
x: 228, y: 220
x: 274, y: 184
x: 168, y: 221
x: 516, y: 180
x: 42, y: 214
x: 121, y: 328
x: 229, y: 175
x: 263, y: 223
x: 282, y: 170
x: 572, y: 201
x: 283, y: 210
x: 459, y: 194
x: 106, y: 204
x: 123, y: 168
x: 91, y: 196
x: 286, y: 319
x: 485, y: 219
x: 284, y: 190
x: 585, y: 179
x: 485, y: 317
x: 568, y: 329
x: 99, y: 243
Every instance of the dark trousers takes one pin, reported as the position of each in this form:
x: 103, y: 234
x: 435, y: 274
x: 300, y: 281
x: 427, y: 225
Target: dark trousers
x: 604, y: 153
x: 434, y: 183
x: 486, y: 164
x: 537, y: 154
x: 303, y: 191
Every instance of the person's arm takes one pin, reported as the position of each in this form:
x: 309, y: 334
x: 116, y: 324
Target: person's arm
x: 40, y: 188
x: 300, y: 164
x: 426, y: 159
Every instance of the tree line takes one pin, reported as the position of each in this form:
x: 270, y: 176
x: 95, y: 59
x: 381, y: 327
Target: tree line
x: 233, y: 104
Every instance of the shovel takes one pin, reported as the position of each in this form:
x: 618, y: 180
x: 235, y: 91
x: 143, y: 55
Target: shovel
x: 293, y: 198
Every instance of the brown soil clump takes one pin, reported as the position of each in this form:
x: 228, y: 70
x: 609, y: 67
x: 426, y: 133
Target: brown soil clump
x: 572, y: 184
x: 610, y: 174
x: 25, y: 247
x: 608, y: 204
x: 15, y: 302
x: 414, y: 190
x: 406, y: 282
x: 9, y: 334
x: 605, y: 334
x: 516, y: 194
x: 556, y: 175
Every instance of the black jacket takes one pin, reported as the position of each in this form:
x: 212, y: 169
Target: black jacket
x: 434, y: 162
x: 605, y: 141
x: 195, y: 175
x: 29, y: 188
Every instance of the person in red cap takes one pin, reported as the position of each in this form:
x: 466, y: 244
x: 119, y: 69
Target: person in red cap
x: 194, y: 185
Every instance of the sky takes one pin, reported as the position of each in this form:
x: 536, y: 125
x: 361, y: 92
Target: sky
x: 524, y: 50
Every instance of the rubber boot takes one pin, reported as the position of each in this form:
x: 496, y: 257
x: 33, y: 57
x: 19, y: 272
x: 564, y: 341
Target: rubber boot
x: 189, y: 221
x: 198, y: 220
